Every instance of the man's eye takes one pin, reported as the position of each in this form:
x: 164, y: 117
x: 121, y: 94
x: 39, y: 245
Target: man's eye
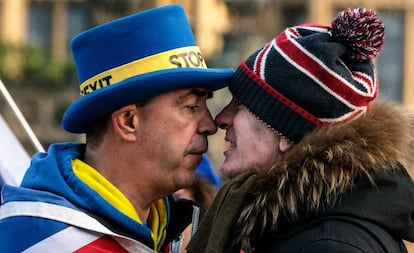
x: 193, y: 108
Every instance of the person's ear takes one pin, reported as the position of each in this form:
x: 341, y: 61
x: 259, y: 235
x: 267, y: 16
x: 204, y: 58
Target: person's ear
x: 125, y: 122
x: 284, y: 144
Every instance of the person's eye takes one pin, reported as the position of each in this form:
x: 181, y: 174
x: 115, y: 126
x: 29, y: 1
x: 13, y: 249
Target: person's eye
x: 193, y: 108
x: 238, y: 103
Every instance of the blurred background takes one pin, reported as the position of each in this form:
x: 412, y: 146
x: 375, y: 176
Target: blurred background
x: 38, y: 70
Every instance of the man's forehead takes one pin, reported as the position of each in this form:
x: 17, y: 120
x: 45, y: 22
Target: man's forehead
x: 196, y: 91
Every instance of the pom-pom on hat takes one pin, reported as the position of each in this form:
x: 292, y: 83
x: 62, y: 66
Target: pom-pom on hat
x: 313, y: 76
x: 133, y: 59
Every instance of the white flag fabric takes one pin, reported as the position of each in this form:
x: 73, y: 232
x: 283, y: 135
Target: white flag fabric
x: 14, y: 159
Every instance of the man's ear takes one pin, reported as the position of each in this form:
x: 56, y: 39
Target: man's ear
x: 284, y: 144
x: 125, y: 122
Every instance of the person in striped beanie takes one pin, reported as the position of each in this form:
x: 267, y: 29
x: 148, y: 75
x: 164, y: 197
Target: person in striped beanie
x: 316, y: 163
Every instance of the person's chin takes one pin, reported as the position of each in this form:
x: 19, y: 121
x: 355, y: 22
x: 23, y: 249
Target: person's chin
x: 192, y: 160
x: 229, y: 170
x: 185, y: 181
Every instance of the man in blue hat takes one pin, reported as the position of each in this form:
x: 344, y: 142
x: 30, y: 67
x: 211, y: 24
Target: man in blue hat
x: 143, y: 85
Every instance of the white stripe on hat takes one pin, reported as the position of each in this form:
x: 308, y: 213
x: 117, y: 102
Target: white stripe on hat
x: 321, y: 65
x: 317, y: 62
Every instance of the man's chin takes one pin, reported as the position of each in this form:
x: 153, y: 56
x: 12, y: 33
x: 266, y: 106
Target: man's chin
x: 187, y: 181
x: 195, y: 159
x: 226, y: 172
x: 229, y: 170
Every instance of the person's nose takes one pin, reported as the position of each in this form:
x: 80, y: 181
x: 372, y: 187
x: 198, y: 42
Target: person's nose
x: 224, y: 119
x: 207, y: 125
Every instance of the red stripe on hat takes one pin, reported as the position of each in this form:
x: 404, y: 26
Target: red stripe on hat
x: 294, y: 32
x: 355, y: 114
x: 258, y: 60
x: 279, y: 96
x: 321, y: 73
x: 103, y: 244
x: 365, y: 80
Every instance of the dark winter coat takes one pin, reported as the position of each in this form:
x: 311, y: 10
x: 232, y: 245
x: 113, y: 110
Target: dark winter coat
x: 341, y: 189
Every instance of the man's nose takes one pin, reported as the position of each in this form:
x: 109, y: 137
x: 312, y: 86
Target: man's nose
x: 207, y: 124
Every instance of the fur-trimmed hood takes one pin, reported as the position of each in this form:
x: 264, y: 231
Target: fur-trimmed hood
x: 326, y: 164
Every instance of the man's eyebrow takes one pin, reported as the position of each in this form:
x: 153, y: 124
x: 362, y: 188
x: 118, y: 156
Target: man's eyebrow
x: 196, y: 92
x: 202, y: 93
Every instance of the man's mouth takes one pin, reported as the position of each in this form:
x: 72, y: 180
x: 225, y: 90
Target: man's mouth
x: 198, y: 151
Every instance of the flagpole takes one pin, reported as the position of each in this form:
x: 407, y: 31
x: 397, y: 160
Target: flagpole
x: 21, y: 118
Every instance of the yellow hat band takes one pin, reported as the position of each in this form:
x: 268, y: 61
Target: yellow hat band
x: 184, y: 57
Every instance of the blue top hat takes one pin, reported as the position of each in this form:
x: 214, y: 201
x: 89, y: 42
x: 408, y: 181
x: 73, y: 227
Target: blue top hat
x: 135, y: 58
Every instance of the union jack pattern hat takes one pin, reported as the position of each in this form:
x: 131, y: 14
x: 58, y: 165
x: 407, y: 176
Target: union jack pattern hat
x: 313, y: 76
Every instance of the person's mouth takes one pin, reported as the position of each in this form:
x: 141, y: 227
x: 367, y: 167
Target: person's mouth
x: 232, y: 143
x: 199, y: 151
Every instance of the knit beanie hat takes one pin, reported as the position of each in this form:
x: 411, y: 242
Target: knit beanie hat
x: 313, y: 76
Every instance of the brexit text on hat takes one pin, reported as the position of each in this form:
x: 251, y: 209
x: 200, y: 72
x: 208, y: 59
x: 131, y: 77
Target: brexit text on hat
x: 185, y: 57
